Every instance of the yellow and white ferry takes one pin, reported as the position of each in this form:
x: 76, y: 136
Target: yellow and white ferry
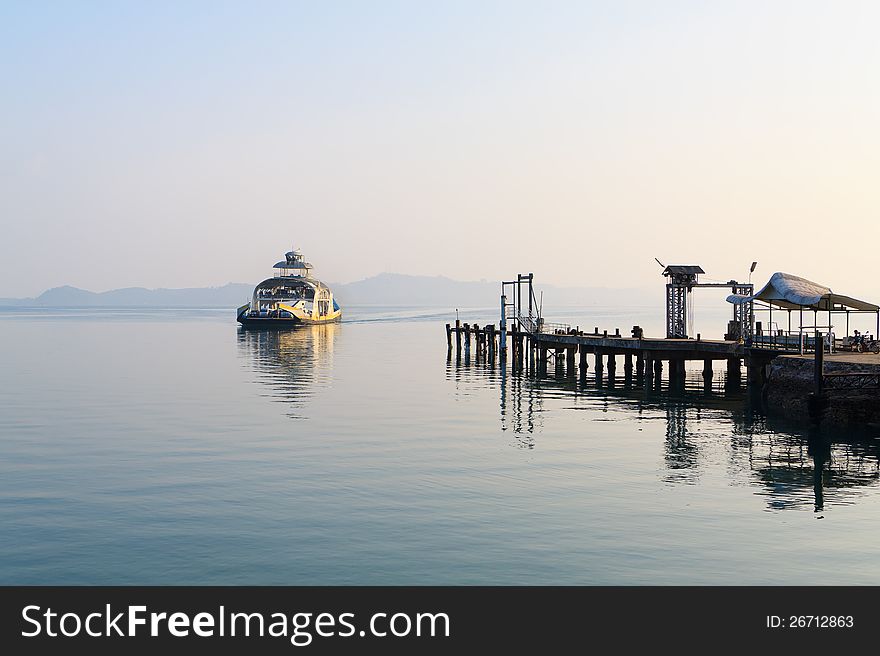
x: 291, y: 297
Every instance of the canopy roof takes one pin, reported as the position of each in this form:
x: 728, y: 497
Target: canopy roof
x: 794, y: 293
x: 292, y: 265
x: 687, y: 269
x: 293, y: 260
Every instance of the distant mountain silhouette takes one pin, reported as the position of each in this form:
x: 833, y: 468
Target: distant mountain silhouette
x: 385, y: 289
x: 231, y: 295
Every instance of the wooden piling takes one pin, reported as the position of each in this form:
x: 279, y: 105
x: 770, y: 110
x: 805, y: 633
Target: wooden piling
x: 676, y: 371
x: 502, y: 336
x: 733, y: 369
x: 627, y: 364
x: 511, y: 336
x: 457, y: 337
x: 448, y: 337
x: 502, y: 341
x: 818, y: 401
x: 707, y: 369
x: 755, y: 370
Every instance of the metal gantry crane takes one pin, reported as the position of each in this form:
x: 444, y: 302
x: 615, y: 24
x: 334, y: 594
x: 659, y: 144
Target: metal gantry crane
x: 683, y: 278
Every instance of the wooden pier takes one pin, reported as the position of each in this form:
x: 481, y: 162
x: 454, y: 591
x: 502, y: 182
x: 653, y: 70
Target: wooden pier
x: 575, y: 352
x: 532, y: 342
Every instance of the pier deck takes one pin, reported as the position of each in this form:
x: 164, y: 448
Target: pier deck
x: 659, y: 348
x: 642, y: 356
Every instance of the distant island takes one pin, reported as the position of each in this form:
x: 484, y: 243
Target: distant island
x: 391, y: 289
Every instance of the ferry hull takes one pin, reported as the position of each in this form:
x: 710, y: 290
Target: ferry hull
x: 275, y: 323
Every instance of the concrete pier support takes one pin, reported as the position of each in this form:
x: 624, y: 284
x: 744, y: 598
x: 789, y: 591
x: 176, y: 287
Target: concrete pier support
x: 707, y: 369
x: 682, y: 370
x: 658, y: 371
x: 582, y: 362
x: 677, y: 372
x: 627, y: 364
x: 612, y: 364
x: 756, y: 371
x: 569, y: 360
x: 733, y: 369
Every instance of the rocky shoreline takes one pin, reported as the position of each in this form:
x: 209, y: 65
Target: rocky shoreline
x: 790, y: 384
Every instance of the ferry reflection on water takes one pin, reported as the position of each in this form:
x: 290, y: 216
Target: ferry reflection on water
x: 791, y: 465
x: 293, y: 363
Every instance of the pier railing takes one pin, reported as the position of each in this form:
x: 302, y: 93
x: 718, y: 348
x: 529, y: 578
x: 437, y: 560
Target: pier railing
x: 538, y: 325
x: 555, y: 328
x: 794, y: 341
x: 529, y: 324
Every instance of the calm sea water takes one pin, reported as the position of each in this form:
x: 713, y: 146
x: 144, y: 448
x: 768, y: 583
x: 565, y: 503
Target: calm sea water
x: 163, y: 447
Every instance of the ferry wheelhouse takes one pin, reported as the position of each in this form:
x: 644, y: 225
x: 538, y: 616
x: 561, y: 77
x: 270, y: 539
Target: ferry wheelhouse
x: 291, y: 297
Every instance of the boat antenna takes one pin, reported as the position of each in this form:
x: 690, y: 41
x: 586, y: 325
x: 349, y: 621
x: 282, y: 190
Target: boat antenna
x: 659, y: 262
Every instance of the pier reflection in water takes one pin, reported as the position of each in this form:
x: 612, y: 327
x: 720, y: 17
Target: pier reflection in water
x: 707, y: 423
x: 293, y: 364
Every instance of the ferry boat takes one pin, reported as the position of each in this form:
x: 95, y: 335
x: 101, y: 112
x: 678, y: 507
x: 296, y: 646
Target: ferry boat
x: 289, y: 298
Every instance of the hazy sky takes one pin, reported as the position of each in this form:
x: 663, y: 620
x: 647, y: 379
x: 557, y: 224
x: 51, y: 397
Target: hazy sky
x: 184, y: 144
